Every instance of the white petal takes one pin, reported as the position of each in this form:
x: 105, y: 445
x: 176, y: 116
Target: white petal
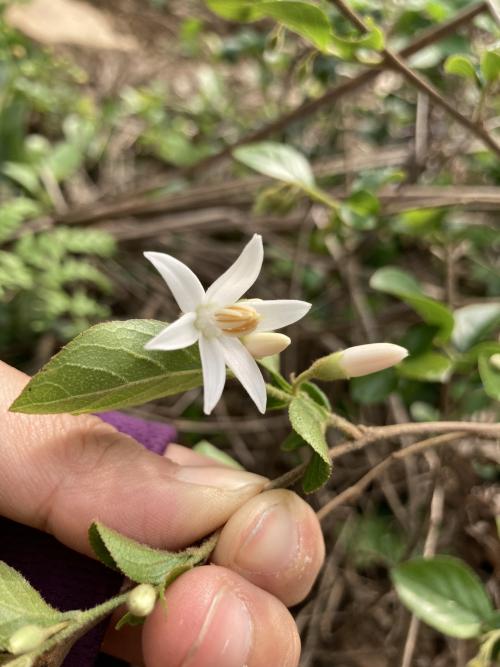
x: 214, y: 372
x: 185, y: 286
x: 232, y: 284
x: 179, y: 334
x: 244, y: 366
x: 279, y: 313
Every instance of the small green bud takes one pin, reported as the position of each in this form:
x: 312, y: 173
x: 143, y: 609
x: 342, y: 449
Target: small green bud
x: 495, y: 361
x: 141, y: 600
x: 26, y: 639
x: 328, y: 368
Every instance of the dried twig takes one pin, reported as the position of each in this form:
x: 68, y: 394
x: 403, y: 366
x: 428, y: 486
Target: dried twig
x: 356, y: 489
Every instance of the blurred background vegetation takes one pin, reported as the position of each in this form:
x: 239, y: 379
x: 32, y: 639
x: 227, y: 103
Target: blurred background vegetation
x: 117, y: 120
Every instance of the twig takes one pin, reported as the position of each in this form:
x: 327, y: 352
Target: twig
x: 347, y: 427
x: 356, y: 489
x: 426, y: 38
x: 396, y: 61
x: 376, y: 434
x: 435, y: 519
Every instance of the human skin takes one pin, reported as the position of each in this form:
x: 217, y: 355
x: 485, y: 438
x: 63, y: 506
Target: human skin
x: 59, y: 473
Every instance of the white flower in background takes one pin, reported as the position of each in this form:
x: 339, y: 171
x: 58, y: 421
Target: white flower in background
x: 218, y: 320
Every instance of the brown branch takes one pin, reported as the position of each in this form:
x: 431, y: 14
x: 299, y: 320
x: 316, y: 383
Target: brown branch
x: 378, y: 433
x: 356, y: 489
x: 427, y: 37
x: 395, y: 60
x: 332, y: 95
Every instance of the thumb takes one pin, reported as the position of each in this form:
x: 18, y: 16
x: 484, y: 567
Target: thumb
x: 59, y: 473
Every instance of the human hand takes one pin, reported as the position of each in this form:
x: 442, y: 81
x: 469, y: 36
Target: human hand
x: 59, y: 473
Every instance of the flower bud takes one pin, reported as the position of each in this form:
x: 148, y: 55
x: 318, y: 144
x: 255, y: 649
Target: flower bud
x: 26, y: 639
x: 495, y: 361
x: 141, y: 600
x: 265, y: 344
x: 366, y: 359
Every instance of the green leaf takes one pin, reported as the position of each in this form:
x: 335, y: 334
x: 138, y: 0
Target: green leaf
x: 24, y: 175
x: 490, y: 376
x: 21, y: 605
x: 490, y: 66
x: 310, y: 420
x: 64, y: 160
x: 317, y: 395
x: 360, y: 210
x: 278, y: 161
x: 402, y: 285
x: 347, y: 47
x: 427, y: 367
x: 233, y: 10
x: 317, y: 473
x: 207, y: 449
x: 444, y: 593
x: 272, y: 366
x: 292, y: 442
x: 303, y: 18
x: 142, y: 563
x: 473, y: 322
x: 373, y: 388
x: 460, y: 65
x: 106, y: 367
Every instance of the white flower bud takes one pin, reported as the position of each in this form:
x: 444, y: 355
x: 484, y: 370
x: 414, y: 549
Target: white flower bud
x: 141, y: 600
x: 26, y: 639
x: 265, y: 344
x: 495, y: 361
x: 365, y: 359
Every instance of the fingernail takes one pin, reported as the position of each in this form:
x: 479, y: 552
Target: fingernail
x: 225, y: 636
x: 271, y: 542
x: 222, y: 478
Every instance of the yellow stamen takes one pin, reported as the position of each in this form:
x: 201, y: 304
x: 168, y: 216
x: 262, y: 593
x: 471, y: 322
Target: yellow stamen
x: 237, y: 320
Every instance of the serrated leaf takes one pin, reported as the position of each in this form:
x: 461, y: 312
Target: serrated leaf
x: 310, y: 421
x: 460, y: 65
x: 21, y: 604
x: 427, y: 367
x: 473, y: 322
x: 140, y: 562
x: 490, y: 376
x: 444, y: 593
x: 278, y: 161
x: 106, y: 367
x: 402, y: 285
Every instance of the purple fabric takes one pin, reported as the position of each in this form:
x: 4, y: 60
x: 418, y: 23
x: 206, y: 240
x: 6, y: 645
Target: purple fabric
x: 66, y: 579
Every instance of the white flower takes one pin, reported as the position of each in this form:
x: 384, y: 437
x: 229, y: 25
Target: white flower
x: 217, y: 319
